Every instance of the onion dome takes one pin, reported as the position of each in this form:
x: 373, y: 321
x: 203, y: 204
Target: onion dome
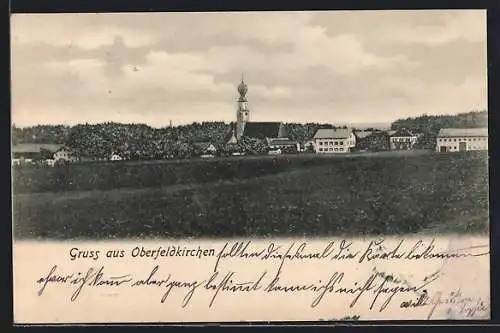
x: 242, y: 88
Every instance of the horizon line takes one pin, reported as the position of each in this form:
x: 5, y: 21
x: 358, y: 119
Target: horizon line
x: 385, y: 123
x: 170, y: 123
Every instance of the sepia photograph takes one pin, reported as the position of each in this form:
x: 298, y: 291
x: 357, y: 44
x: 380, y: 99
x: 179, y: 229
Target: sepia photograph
x: 246, y: 124
x: 250, y: 166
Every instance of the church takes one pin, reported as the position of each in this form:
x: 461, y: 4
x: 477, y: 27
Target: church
x: 245, y: 128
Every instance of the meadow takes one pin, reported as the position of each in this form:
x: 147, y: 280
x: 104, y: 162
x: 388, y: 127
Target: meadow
x: 305, y: 195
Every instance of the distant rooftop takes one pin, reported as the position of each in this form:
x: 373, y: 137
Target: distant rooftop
x: 448, y: 132
x: 362, y: 134
x: 35, y: 147
x: 282, y: 141
x: 402, y: 132
x: 262, y: 130
x: 202, y: 145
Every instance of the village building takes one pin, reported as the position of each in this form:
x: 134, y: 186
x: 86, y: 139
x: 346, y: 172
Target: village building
x: 26, y: 153
x: 34, y: 150
x: 65, y: 154
x: 284, y: 145
x: 462, y: 139
x: 116, y: 157
x: 244, y: 128
x: 334, y: 140
x: 205, y: 148
x: 402, y: 139
x: 264, y: 130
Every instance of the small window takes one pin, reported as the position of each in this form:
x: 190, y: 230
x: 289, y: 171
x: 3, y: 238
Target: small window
x: 336, y: 149
x: 341, y: 149
x: 341, y: 143
x: 336, y: 143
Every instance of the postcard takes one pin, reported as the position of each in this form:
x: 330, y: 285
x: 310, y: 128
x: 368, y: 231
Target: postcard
x: 250, y: 166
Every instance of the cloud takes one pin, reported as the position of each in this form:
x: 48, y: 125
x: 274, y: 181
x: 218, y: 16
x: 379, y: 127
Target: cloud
x: 300, y: 66
x: 467, y: 25
x: 63, y: 31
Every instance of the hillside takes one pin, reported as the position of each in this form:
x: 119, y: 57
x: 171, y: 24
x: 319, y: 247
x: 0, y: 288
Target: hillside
x: 429, y: 126
x: 425, y: 123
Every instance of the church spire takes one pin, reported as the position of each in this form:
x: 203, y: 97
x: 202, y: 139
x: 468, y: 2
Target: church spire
x: 243, y: 113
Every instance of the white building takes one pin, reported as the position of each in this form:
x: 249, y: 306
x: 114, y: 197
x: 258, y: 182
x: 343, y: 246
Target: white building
x: 65, y: 154
x: 205, y: 148
x: 462, y: 139
x: 334, y: 141
x: 402, y: 139
x: 116, y: 157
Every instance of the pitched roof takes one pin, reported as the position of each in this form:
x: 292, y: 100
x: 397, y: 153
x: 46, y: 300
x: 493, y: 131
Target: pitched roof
x: 332, y: 133
x: 282, y: 142
x: 202, y: 145
x: 403, y: 132
x: 262, y: 130
x: 35, y: 147
x: 446, y: 132
x: 362, y: 134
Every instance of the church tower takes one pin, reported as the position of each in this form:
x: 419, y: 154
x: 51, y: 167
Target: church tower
x: 243, y: 113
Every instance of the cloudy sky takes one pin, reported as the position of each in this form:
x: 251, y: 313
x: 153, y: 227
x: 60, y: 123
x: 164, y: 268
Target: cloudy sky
x: 336, y: 67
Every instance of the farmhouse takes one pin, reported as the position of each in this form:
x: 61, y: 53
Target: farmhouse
x: 116, y: 157
x: 329, y: 140
x: 26, y: 153
x: 205, y: 148
x: 34, y: 150
x: 403, y: 139
x: 284, y: 144
x: 462, y: 139
x: 65, y: 154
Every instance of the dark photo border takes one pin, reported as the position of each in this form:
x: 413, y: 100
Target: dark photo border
x: 94, y: 6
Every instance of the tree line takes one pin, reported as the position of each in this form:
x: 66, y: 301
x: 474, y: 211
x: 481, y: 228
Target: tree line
x: 140, y: 141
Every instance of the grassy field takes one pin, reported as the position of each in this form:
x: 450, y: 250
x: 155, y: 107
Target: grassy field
x: 310, y: 195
